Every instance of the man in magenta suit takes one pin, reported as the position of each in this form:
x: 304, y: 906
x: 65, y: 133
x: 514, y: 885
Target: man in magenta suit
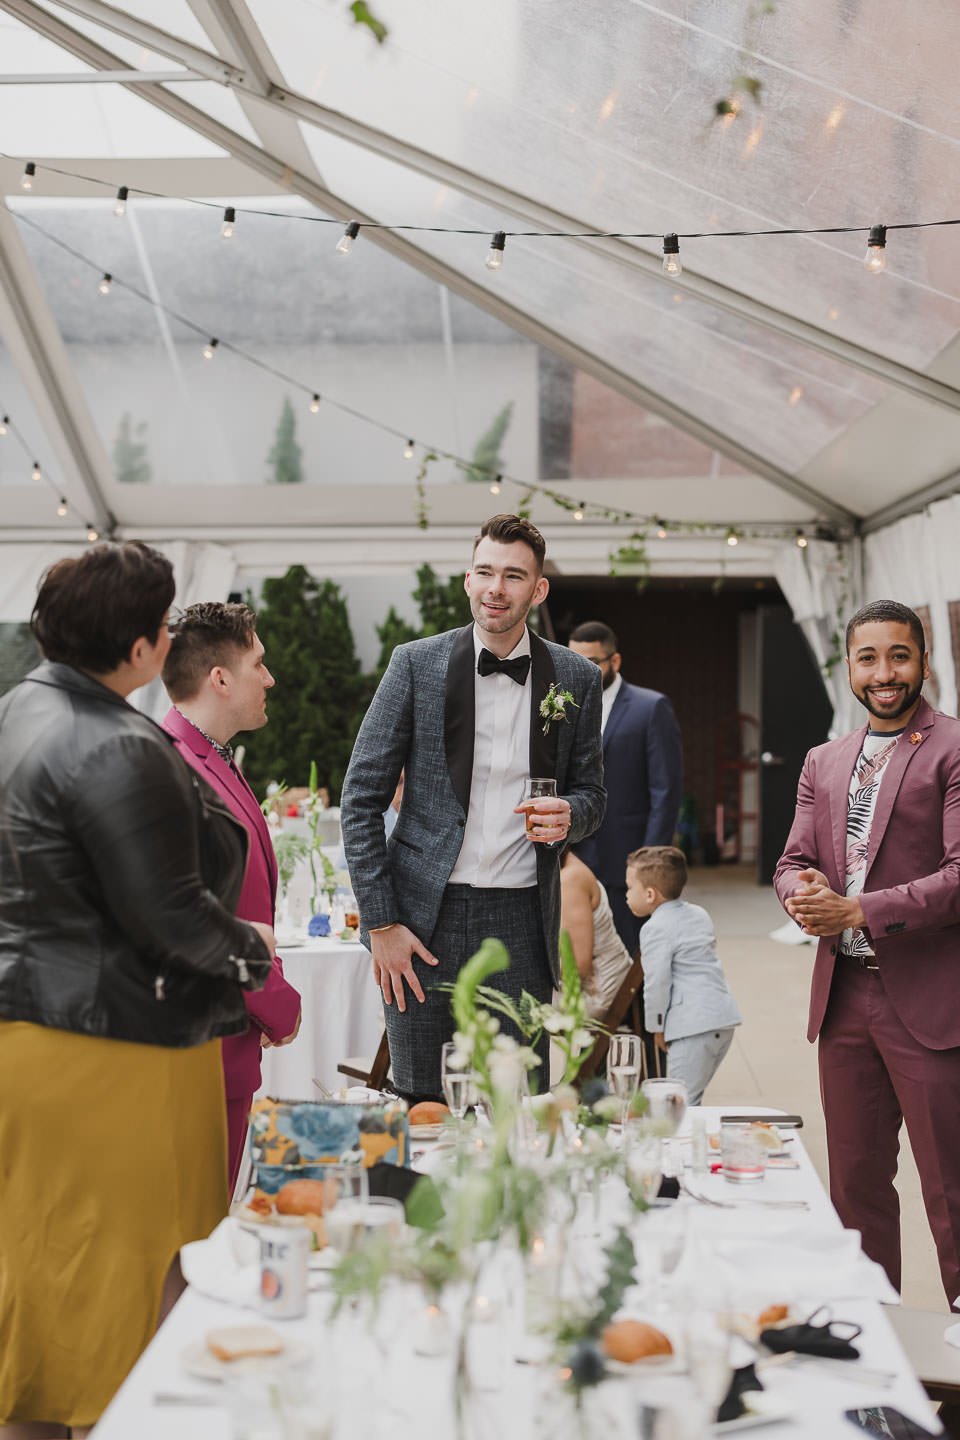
x: 872, y: 866
x: 218, y: 682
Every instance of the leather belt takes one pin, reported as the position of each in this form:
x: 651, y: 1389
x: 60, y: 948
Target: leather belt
x: 865, y: 962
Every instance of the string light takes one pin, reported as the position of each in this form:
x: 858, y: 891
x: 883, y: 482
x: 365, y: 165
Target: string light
x: 496, y: 486
x: 29, y: 170
x: 875, y: 259
x: 229, y: 222
x: 661, y: 529
x: 578, y: 513
x: 345, y: 243
x: 35, y: 473
x: 93, y: 535
x: 732, y: 537
x: 120, y: 204
x: 801, y: 540
x: 314, y: 404
x: 671, y: 255
x: 62, y: 507
x: 498, y: 244
x: 210, y: 348
x: 104, y: 286
x: 4, y: 425
x: 408, y: 450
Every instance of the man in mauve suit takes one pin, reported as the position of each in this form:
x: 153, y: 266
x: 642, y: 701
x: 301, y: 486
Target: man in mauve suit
x: 459, y: 715
x: 872, y: 866
x: 216, y: 678
x: 642, y: 769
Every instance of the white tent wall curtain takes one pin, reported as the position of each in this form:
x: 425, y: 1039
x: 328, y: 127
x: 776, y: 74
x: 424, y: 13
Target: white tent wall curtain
x: 818, y: 584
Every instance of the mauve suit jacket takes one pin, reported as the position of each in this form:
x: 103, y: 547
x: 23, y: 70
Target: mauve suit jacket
x: 911, y: 899
x: 274, y: 1008
x: 422, y: 721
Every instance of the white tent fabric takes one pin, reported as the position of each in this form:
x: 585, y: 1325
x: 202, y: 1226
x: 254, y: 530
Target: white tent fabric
x: 816, y: 582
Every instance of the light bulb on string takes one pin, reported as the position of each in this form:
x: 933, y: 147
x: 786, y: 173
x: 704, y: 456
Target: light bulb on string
x: 671, y: 255
x: 801, y: 540
x: 494, y: 258
x: 92, y: 534
x: 408, y: 450
x: 229, y: 223
x: 578, y: 513
x: 104, y: 286
x: 495, y: 485
x: 345, y: 243
x: 875, y: 259
x: 732, y: 537
x: 26, y: 179
x: 62, y: 507
x: 209, y: 350
x: 35, y: 472
x: 314, y: 404
x: 661, y: 529
x: 120, y: 204
x: 4, y: 425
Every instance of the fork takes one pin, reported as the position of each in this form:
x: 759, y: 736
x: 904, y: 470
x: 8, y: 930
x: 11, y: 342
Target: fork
x: 742, y: 1204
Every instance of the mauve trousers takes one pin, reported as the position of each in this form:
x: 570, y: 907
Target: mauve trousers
x: 874, y: 1076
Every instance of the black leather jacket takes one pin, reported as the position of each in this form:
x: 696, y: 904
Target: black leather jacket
x: 119, y: 871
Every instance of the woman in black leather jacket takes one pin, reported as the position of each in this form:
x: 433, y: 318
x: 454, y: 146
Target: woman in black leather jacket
x: 121, y: 965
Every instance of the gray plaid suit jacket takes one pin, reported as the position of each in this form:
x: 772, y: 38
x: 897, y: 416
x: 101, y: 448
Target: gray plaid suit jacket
x: 421, y: 722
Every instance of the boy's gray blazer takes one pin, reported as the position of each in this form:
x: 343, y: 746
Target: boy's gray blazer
x: 421, y: 722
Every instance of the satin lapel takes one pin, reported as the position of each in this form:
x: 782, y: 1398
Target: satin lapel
x: 617, y: 712
x: 845, y: 757
x: 543, y: 748
x: 240, y: 791
x: 459, y: 715
x: 892, y: 779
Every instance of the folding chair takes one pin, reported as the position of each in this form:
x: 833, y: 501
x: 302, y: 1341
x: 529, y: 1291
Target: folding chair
x: 372, y: 1074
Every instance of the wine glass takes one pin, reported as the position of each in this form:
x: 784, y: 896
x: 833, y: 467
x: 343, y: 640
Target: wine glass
x: 459, y: 1089
x: 666, y: 1107
x: 623, y: 1069
x: 644, y: 1163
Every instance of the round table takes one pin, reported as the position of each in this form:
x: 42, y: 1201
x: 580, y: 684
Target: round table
x: 342, y: 1017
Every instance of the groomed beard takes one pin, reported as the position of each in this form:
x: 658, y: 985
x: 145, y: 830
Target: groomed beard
x: 910, y: 698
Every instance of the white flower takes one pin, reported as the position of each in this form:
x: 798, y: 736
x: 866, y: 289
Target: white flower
x: 553, y: 1023
x: 582, y: 1038
x: 505, y: 1043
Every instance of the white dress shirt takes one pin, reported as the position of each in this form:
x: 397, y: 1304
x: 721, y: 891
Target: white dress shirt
x: 607, y: 698
x: 495, y: 852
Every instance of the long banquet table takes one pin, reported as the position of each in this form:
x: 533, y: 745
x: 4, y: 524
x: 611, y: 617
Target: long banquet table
x: 159, y: 1399
x: 342, y: 1017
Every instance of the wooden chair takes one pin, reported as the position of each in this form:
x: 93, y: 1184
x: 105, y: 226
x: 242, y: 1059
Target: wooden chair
x: 373, y: 1075
x: 624, y: 1010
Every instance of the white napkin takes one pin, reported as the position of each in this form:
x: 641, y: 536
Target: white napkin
x: 952, y: 1334
x: 225, y: 1266
x: 790, y: 1261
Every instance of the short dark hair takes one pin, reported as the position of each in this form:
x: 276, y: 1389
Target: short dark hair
x: 205, y: 635
x: 594, y: 632
x: 662, y: 866
x: 879, y: 610
x: 507, y: 529
x: 91, y: 609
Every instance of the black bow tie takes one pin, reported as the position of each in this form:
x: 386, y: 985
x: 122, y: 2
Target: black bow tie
x: 517, y: 669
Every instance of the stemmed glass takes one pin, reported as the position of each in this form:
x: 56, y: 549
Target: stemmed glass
x: 623, y: 1069
x: 666, y: 1107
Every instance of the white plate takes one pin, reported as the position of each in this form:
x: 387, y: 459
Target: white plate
x: 197, y: 1359
x: 427, y: 1132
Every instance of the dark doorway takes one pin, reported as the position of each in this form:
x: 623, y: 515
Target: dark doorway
x: 795, y: 715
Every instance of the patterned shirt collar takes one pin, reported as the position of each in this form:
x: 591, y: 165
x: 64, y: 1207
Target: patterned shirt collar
x: 224, y: 751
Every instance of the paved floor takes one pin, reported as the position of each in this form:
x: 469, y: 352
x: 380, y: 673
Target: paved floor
x: 770, y: 1060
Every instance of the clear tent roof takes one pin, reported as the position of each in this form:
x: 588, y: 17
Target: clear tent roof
x: 775, y: 380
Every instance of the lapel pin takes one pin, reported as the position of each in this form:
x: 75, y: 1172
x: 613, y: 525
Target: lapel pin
x: 916, y: 738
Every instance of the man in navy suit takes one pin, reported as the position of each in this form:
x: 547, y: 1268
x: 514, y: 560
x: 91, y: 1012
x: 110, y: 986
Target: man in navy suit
x: 642, y: 773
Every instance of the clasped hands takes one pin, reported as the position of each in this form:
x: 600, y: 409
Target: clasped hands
x: 820, y: 910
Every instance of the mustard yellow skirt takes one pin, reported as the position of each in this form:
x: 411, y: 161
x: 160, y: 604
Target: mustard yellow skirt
x: 112, y: 1156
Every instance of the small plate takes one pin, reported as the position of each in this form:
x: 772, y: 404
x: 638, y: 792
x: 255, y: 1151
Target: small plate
x: 197, y: 1359
x: 427, y: 1132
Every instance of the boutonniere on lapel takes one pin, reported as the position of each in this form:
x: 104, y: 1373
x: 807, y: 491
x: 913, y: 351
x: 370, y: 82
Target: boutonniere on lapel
x: 916, y: 738
x: 553, y: 706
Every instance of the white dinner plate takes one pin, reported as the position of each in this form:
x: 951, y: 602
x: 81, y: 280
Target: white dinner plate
x: 199, y: 1360
x: 427, y: 1132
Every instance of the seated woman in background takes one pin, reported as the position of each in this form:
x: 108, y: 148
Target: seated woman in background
x: 121, y: 965
x: 601, y: 955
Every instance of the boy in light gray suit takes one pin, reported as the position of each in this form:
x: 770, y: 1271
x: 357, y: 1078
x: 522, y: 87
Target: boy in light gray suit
x: 686, y: 1002
x: 460, y: 715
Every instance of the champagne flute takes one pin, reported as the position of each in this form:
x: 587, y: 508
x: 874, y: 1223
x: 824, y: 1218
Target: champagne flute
x: 623, y: 1069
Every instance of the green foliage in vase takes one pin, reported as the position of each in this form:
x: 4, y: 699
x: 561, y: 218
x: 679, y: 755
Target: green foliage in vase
x: 290, y: 850
x: 286, y: 457
x: 320, y: 696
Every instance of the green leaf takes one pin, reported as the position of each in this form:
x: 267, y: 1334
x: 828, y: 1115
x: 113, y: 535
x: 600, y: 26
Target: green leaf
x: 363, y: 15
x: 487, y: 461
x: 424, y: 1208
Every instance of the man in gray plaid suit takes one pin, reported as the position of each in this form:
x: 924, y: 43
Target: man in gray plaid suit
x: 459, y: 715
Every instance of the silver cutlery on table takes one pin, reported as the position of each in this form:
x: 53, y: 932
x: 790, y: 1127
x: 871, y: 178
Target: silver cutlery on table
x: 748, y: 1201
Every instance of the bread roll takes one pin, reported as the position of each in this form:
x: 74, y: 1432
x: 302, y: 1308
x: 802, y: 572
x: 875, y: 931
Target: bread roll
x: 630, y: 1340
x: 241, y: 1342
x: 773, y: 1315
x: 302, y: 1197
x: 428, y: 1112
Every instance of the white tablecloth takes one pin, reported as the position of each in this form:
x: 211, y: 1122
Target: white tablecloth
x: 813, y: 1398
x: 342, y: 1017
